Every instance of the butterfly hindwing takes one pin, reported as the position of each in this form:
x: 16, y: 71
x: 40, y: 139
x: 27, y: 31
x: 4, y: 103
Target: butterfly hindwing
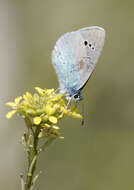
x: 63, y: 59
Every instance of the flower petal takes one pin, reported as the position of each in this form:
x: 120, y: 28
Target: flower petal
x: 11, y: 104
x: 40, y: 91
x: 76, y: 115
x: 18, y: 99
x: 45, y: 125
x: 49, y: 109
x: 49, y: 91
x: 55, y: 127
x: 10, y: 114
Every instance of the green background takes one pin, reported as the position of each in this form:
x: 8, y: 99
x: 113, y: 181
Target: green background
x: 100, y: 155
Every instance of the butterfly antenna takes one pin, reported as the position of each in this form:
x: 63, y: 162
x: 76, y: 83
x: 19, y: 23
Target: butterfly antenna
x: 82, y: 121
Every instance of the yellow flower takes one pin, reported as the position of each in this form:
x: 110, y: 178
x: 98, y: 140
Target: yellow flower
x: 40, y: 91
x: 43, y: 109
x: 37, y: 120
x: 49, y: 109
x: 53, y: 119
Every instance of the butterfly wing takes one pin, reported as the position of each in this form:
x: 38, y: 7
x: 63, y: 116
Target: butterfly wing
x: 63, y: 59
x: 92, y: 43
x: 75, y: 55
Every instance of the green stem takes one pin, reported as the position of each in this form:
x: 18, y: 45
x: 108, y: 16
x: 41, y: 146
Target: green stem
x: 33, y: 153
x: 32, y: 160
x: 29, y: 124
x: 22, y: 182
x: 34, y: 180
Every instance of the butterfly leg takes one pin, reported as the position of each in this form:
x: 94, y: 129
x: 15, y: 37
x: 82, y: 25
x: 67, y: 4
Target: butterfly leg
x: 69, y: 102
x: 57, y: 90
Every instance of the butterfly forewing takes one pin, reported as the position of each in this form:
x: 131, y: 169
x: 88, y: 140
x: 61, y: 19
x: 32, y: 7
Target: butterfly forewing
x: 92, y: 43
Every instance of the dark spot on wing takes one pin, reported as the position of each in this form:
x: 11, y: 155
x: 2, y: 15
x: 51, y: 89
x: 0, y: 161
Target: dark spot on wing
x: 85, y: 42
x: 90, y: 45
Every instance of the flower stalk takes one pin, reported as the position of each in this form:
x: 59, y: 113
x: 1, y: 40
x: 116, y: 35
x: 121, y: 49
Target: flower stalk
x: 41, y: 112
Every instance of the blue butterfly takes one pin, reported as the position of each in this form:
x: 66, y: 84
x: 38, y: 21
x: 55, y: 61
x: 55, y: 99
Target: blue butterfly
x: 74, y: 58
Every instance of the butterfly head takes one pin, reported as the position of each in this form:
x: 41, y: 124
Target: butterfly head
x: 76, y: 97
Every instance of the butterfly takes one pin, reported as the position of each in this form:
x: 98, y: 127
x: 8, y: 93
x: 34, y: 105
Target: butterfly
x: 74, y: 58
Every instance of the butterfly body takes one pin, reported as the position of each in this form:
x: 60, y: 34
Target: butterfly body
x: 74, y: 58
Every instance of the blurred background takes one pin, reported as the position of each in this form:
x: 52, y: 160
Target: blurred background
x: 100, y: 155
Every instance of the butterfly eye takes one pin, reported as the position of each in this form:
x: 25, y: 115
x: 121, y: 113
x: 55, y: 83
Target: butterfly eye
x: 76, y: 96
x: 85, y: 42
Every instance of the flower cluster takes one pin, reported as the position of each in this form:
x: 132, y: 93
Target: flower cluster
x: 44, y: 109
